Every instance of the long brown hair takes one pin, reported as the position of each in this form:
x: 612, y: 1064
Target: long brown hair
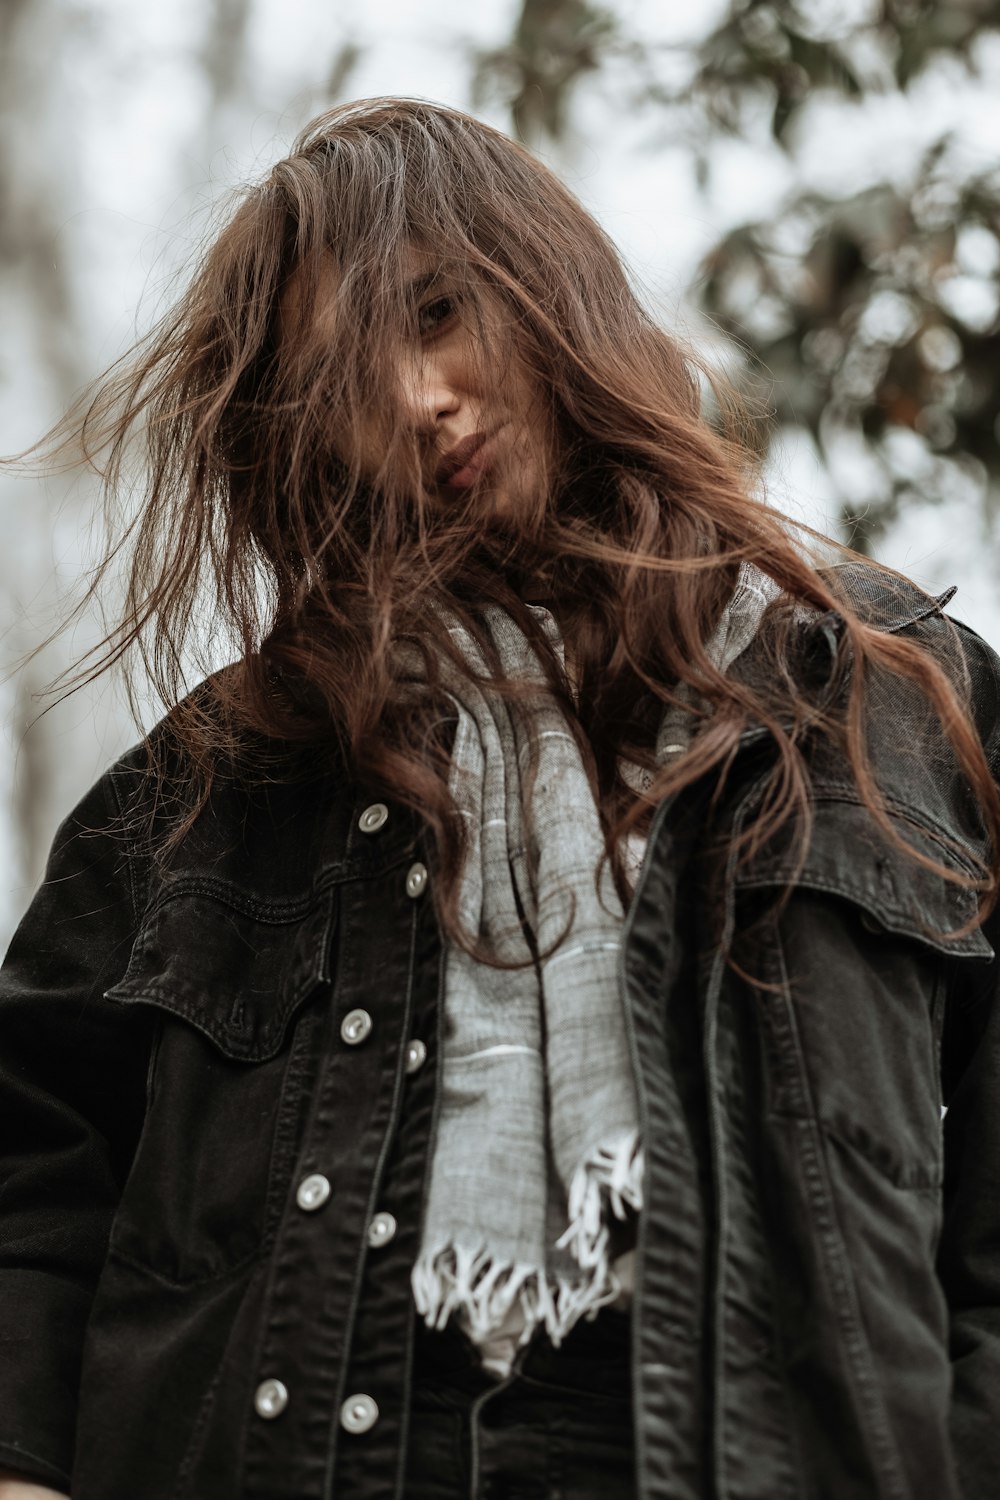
x: 241, y: 414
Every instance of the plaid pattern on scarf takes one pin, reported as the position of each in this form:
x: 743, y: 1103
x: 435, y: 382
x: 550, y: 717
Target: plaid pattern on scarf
x: 538, y: 1142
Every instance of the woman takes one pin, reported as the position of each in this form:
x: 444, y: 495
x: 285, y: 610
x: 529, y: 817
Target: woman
x: 492, y: 1038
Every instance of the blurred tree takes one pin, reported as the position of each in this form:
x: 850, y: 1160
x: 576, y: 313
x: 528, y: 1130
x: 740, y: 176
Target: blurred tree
x: 42, y: 361
x: 555, y: 44
x: 885, y: 325
x: 872, y: 319
x: 875, y: 316
x: 223, y: 50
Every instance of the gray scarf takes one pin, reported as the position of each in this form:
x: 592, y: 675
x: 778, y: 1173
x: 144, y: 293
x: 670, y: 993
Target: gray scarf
x: 538, y: 1144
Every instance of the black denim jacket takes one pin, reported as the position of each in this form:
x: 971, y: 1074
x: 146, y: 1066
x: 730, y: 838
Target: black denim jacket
x: 217, y: 1088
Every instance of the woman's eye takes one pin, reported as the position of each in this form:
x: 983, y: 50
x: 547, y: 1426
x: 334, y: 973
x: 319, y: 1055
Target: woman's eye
x: 434, y: 315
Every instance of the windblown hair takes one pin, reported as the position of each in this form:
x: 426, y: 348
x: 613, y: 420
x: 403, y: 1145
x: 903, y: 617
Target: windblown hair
x: 245, y: 400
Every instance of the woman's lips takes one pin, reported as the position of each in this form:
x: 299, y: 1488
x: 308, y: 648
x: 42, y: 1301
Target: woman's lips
x: 477, y: 464
x: 475, y: 454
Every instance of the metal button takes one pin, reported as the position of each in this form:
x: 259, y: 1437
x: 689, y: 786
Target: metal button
x: 313, y: 1192
x: 359, y: 1413
x: 416, y: 1055
x: 355, y: 1027
x: 381, y: 1230
x: 373, y: 817
x: 416, y: 879
x: 270, y: 1398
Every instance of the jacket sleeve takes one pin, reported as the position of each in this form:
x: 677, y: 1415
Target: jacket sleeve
x: 72, y: 1099
x: 969, y: 1251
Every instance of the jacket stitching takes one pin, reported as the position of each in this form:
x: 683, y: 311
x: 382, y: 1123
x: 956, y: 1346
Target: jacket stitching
x: 276, y: 913
x: 893, y: 1179
x: 968, y: 946
x: 185, y: 1283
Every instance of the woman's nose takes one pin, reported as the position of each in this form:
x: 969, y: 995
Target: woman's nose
x: 428, y: 396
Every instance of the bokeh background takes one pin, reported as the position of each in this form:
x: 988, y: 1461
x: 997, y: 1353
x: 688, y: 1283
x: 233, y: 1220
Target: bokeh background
x: 811, y: 190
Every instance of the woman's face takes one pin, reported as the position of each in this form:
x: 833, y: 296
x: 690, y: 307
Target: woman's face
x: 472, y: 409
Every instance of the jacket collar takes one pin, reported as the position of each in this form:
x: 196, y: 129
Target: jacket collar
x: 887, y: 601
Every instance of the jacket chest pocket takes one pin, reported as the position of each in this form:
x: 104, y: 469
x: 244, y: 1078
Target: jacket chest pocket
x: 239, y: 997
x: 859, y: 960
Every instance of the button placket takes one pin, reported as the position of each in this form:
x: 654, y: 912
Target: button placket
x: 358, y: 1100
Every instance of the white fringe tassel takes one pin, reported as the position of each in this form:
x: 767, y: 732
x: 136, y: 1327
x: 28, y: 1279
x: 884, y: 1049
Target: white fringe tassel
x: 457, y: 1276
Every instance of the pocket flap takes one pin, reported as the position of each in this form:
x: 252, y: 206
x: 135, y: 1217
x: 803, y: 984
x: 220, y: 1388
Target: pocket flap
x: 851, y: 856
x: 237, y: 975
